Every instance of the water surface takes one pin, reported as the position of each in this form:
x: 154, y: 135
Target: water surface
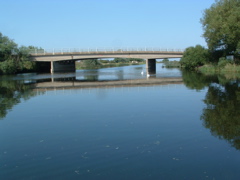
x: 185, y: 130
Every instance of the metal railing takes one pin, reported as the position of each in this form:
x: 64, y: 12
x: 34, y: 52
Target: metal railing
x: 54, y: 51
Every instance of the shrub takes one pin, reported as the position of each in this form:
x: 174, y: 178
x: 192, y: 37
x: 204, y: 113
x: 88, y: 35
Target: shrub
x: 223, y: 62
x: 194, y: 57
x: 8, y: 67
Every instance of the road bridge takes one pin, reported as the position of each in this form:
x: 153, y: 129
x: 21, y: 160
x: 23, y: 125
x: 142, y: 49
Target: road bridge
x: 64, y: 59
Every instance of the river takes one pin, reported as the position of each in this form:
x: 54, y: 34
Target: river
x: 116, y: 123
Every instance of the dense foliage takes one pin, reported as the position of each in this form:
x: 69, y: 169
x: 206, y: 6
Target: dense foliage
x: 194, y: 57
x: 14, y: 59
x: 221, y: 25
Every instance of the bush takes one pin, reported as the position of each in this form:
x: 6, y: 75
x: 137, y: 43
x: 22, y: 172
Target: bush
x: 207, y: 69
x: 8, y: 67
x: 194, y: 57
x: 223, y: 62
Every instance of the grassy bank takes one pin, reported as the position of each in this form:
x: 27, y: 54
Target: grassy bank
x: 216, y: 69
x: 230, y: 71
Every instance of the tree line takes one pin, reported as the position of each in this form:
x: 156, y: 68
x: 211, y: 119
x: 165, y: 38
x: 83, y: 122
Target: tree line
x: 221, y: 26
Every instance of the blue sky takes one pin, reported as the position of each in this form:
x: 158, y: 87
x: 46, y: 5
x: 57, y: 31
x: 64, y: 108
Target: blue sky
x: 103, y: 23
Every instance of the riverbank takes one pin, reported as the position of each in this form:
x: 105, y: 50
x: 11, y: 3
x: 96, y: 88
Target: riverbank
x: 230, y: 71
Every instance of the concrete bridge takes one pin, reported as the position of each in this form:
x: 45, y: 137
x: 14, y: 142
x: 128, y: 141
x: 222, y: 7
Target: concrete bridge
x: 62, y: 60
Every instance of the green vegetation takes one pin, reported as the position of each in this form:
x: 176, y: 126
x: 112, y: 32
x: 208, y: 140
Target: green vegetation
x: 165, y: 60
x: 222, y: 66
x: 14, y: 59
x: 170, y: 64
x: 221, y: 25
x: 194, y: 57
x: 128, y: 60
x: 95, y: 64
x: 90, y: 64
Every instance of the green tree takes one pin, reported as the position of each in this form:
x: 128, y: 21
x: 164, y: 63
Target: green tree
x: 91, y: 63
x: 121, y: 60
x: 7, y: 47
x: 194, y: 57
x: 14, y: 59
x: 165, y: 60
x: 127, y: 60
x: 221, y: 25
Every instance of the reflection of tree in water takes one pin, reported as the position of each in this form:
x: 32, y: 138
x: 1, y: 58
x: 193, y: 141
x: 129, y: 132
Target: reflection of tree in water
x: 222, y: 112
x: 198, y: 81
x: 11, y: 93
x: 91, y: 75
x: 119, y: 75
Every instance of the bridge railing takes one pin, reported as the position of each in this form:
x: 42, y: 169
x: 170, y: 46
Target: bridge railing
x: 100, y: 50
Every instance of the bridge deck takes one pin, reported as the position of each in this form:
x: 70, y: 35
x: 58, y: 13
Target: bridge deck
x: 78, y: 55
x: 69, y: 51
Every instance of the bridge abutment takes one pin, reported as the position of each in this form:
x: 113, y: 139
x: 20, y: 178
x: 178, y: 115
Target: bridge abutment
x: 63, y: 66
x: 151, y: 66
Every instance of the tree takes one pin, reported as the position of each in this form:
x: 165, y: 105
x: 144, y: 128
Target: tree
x: 165, y: 60
x: 14, y: 59
x: 91, y: 63
x: 7, y: 46
x: 127, y: 60
x: 221, y: 25
x: 194, y: 57
x: 121, y: 60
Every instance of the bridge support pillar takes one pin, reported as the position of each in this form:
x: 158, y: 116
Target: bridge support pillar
x: 63, y: 66
x: 52, y: 67
x: 151, y: 66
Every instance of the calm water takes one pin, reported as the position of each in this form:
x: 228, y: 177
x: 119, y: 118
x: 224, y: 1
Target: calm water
x: 188, y: 130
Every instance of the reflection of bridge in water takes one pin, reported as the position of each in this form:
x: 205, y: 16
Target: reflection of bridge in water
x: 77, y: 84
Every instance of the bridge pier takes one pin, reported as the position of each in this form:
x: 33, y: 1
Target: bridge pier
x: 151, y: 66
x: 63, y: 66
